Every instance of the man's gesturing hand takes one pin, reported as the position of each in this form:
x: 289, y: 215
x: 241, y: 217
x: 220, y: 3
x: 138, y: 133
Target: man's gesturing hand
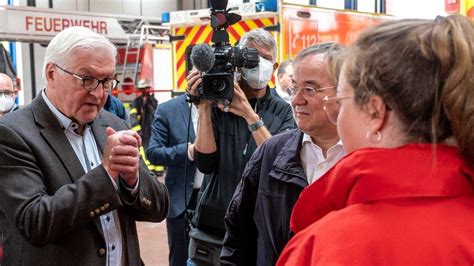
x: 121, y: 156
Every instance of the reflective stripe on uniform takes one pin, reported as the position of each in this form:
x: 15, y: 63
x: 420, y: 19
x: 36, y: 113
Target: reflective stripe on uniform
x: 151, y: 167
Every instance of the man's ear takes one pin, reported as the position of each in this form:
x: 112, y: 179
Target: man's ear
x: 377, y: 110
x: 51, y: 71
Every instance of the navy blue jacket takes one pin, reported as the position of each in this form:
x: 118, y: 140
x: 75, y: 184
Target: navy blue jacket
x: 115, y: 106
x: 168, y: 147
x: 258, y: 219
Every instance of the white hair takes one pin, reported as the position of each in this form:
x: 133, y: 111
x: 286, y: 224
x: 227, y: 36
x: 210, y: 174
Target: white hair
x: 63, y: 45
x: 259, y: 37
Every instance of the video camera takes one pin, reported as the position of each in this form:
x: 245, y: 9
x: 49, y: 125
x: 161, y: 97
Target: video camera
x: 218, y: 62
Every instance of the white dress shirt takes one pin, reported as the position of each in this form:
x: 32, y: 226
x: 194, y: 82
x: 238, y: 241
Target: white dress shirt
x: 198, y: 177
x: 314, y: 163
x: 86, y: 151
x: 283, y: 94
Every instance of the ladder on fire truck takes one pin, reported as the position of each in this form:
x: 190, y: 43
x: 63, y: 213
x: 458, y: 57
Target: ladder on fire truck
x: 143, y: 33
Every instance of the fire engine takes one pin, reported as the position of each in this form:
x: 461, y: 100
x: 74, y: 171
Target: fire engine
x: 295, y: 27
x: 156, y: 49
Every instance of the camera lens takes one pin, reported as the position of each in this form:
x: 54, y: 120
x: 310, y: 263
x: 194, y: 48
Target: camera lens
x: 245, y: 57
x: 218, y: 87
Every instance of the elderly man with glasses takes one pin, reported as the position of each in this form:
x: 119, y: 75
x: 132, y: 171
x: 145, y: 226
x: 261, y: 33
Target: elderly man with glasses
x: 73, y: 184
x: 258, y: 218
x: 7, y: 95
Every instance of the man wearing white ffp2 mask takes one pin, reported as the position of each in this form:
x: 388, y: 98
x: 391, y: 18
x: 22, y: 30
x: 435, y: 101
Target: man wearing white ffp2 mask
x: 7, y: 95
x: 259, y: 76
x: 226, y: 137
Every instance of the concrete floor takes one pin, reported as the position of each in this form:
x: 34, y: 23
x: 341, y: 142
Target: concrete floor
x: 153, y: 243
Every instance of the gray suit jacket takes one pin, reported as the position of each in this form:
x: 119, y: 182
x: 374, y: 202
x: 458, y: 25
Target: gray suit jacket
x: 49, y: 208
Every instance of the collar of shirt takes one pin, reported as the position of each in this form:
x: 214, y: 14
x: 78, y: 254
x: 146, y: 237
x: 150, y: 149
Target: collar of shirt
x: 313, y: 161
x: 307, y: 139
x: 15, y: 106
x: 67, y: 123
x: 283, y: 94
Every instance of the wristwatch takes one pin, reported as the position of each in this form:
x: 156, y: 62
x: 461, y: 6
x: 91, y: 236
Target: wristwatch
x: 256, y: 125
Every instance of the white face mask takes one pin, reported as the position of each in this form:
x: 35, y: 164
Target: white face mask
x: 259, y: 76
x: 6, y: 103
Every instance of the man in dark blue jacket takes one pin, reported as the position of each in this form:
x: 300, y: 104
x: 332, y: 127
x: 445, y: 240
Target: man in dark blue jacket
x: 257, y: 220
x: 227, y: 137
x: 169, y: 147
x: 115, y: 106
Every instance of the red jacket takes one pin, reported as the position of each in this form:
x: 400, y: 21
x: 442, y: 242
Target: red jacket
x: 403, y: 206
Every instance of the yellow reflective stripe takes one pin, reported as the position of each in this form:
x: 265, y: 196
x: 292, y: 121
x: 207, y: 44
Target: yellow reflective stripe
x: 150, y: 166
x: 156, y: 168
x: 142, y: 153
x: 137, y: 128
x: 133, y: 111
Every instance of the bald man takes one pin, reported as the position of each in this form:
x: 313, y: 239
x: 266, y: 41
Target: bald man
x: 7, y: 95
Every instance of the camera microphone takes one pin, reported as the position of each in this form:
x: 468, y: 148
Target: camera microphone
x: 202, y: 57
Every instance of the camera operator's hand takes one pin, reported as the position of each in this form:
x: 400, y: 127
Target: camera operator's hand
x: 194, y: 79
x: 240, y: 106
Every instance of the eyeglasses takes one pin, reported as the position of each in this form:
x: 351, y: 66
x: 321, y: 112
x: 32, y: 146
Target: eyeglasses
x: 332, y: 105
x: 308, y: 91
x: 7, y: 94
x: 90, y: 83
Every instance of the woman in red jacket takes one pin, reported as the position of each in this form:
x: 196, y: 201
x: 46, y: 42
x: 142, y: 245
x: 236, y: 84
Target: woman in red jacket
x: 405, y: 193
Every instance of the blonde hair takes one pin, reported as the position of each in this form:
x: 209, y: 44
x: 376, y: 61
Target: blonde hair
x: 424, y: 71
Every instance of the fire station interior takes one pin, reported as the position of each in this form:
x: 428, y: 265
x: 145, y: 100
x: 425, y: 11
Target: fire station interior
x: 153, y: 36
